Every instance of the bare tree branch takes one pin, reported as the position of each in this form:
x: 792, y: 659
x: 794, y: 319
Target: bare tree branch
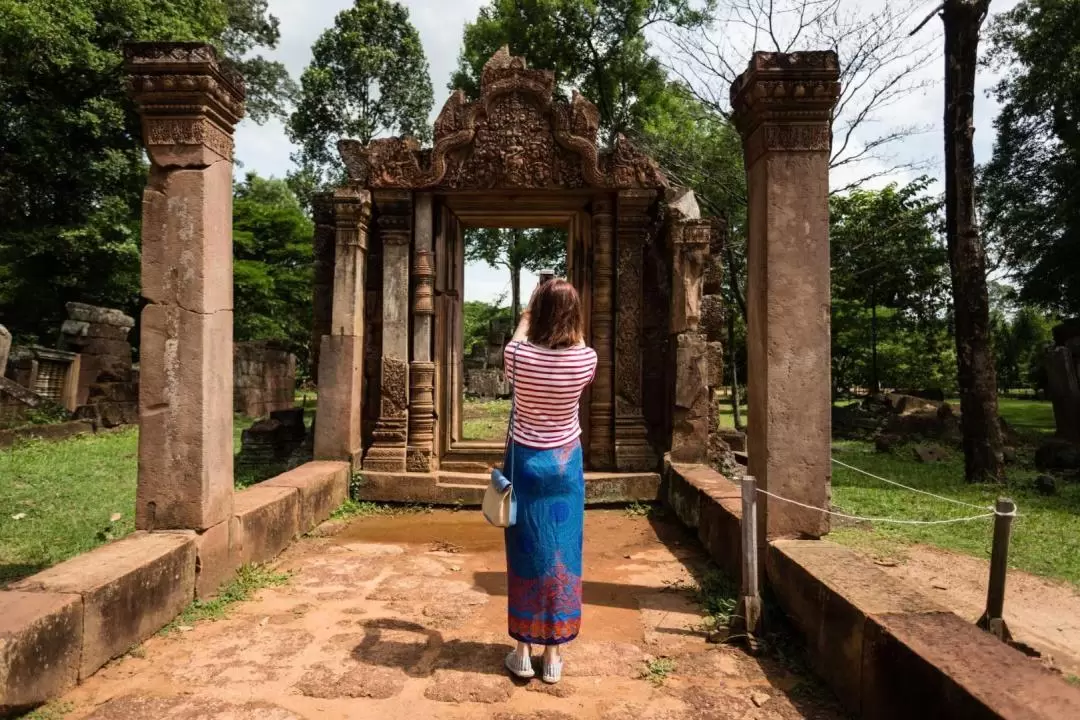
x: 880, y: 63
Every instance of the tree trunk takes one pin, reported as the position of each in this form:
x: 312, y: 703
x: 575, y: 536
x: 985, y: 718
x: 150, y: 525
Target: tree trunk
x: 515, y: 293
x: 736, y: 415
x: 875, y: 381
x: 982, y: 437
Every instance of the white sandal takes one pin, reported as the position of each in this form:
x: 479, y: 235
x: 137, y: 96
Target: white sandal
x: 552, y: 671
x: 521, y: 668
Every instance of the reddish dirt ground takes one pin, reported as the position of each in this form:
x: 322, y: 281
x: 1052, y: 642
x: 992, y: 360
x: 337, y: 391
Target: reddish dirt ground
x: 1042, y: 614
x: 404, y: 617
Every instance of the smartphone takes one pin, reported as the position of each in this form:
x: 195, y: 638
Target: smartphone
x: 546, y: 276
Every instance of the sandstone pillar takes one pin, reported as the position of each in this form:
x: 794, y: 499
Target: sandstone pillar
x: 422, y: 369
x: 341, y: 358
x: 394, y: 220
x: 690, y: 241
x: 5, y: 349
x: 189, y: 106
x: 601, y: 402
x: 783, y: 109
x: 322, y: 296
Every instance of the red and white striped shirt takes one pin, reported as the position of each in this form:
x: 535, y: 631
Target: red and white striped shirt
x: 547, y: 390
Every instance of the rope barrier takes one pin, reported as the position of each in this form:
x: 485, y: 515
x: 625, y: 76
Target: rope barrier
x: 906, y: 487
x: 893, y: 521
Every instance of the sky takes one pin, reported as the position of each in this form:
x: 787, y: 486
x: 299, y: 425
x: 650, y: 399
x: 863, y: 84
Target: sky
x: 265, y: 149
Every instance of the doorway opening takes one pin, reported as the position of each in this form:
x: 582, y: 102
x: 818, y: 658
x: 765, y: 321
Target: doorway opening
x: 502, y: 268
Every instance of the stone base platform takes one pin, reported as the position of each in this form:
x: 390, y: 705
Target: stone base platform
x: 458, y: 488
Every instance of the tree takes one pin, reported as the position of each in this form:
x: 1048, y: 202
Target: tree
x: 368, y: 76
x: 72, y: 167
x: 982, y: 437
x: 478, y: 317
x: 886, y: 256
x: 879, y: 67
x: 515, y: 249
x: 272, y: 270
x: 1030, y: 206
x: 598, y: 47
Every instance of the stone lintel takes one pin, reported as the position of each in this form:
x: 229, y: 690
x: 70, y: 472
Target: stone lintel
x: 784, y: 102
x: 189, y: 102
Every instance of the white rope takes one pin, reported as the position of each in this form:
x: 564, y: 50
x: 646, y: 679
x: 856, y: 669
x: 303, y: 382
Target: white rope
x: 894, y: 521
x: 906, y: 487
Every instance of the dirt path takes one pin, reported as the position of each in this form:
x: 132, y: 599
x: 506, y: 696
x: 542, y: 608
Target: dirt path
x: 397, y: 618
x: 1041, y: 613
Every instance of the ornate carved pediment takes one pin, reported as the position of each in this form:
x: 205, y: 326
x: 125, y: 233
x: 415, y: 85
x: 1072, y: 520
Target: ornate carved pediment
x: 518, y: 134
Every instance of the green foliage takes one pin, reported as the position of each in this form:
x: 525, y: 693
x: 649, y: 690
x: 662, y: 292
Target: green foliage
x: 1031, y: 210
x: 368, y: 76
x: 71, y: 162
x: 272, y: 273
x: 52, y: 711
x: 478, y: 317
x: 657, y: 670
x: 249, y: 579
x: 889, y: 273
x: 599, y: 47
x: 47, y: 413
x: 1020, y: 343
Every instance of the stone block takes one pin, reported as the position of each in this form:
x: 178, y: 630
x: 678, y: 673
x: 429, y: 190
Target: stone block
x: 130, y: 589
x: 323, y: 487
x: 337, y: 435
x: 712, y: 318
x: 41, y: 637
x: 938, y: 666
x: 5, y: 349
x: 187, y: 257
x: 217, y: 558
x: 186, y: 419
x: 265, y: 521
x: 93, y: 315
x: 113, y: 348
x: 829, y: 591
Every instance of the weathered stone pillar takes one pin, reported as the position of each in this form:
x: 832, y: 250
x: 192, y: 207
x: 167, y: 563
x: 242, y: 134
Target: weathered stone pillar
x: 783, y: 108
x: 601, y: 404
x: 5, y: 349
x: 394, y: 219
x: 341, y: 372
x: 189, y: 107
x: 632, y: 450
x: 322, y: 296
x: 690, y: 241
x: 422, y: 369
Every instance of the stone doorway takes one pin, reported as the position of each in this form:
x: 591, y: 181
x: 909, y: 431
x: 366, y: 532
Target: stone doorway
x: 518, y: 156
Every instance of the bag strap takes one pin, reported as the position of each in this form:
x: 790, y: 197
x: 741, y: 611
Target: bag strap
x: 509, y: 449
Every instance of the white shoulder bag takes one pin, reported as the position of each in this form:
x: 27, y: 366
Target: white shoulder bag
x: 500, y: 505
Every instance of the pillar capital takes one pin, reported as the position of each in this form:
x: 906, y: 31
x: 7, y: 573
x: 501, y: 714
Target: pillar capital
x: 351, y: 211
x: 784, y: 102
x: 188, y: 101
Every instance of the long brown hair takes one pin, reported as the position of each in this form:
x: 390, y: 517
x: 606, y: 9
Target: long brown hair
x: 555, y: 319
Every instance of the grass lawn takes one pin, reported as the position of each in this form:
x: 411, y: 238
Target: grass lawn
x: 485, y: 419
x: 65, y: 495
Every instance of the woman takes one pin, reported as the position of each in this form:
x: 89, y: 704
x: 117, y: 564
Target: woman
x: 549, y: 365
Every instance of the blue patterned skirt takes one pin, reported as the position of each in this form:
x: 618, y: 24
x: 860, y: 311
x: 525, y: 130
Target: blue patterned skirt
x: 543, y: 549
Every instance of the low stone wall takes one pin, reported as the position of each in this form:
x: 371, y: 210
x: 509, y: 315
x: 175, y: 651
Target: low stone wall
x: 60, y: 626
x: 264, y: 379
x: 887, y: 651
x: 488, y: 383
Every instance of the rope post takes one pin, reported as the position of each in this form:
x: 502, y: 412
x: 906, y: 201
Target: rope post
x: 746, y: 623
x: 992, y: 620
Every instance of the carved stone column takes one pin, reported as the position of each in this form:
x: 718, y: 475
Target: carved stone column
x: 394, y: 219
x: 783, y: 108
x: 690, y: 241
x: 632, y: 450
x: 189, y: 106
x: 601, y: 409
x: 338, y: 423
x: 322, y: 299
x: 422, y: 369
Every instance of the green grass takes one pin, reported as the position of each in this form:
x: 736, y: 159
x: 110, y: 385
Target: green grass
x: 52, y: 711
x: 485, y: 419
x: 1046, y: 535
x: 1026, y: 416
x: 657, y: 670
x: 248, y: 580
x: 65, y: 494
x: 362, y: 508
